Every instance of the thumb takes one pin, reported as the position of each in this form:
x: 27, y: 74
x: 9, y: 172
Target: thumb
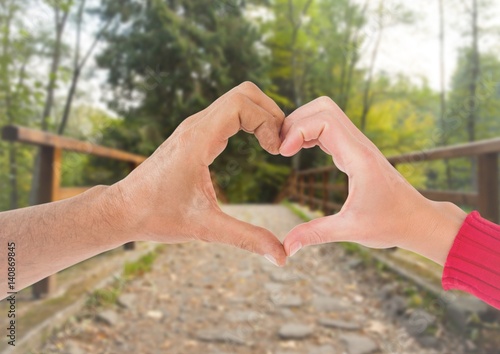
x: 231, y: 231
x: 332, y: 228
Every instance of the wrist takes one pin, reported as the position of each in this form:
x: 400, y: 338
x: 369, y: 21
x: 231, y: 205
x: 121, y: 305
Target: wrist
x: 438, y: 225
x: 116, y: 213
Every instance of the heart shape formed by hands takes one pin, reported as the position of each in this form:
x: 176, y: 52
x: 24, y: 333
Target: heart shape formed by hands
x: 170, y: 197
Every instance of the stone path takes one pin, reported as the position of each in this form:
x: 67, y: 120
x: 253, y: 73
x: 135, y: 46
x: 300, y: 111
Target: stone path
x: 204, y: 298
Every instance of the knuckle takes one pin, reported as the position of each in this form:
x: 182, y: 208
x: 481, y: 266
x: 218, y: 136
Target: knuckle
x: 248, y: 86
x: 245, y: 244
x: 279, y: 116
x: 326, y: 102
x: 238, y: 99
x: 270, y: 145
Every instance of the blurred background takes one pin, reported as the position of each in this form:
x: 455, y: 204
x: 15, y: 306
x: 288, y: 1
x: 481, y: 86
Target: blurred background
x: 124, y: 74
x: 412, y: 75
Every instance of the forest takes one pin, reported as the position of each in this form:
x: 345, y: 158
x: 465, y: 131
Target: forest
x: 125, y: 73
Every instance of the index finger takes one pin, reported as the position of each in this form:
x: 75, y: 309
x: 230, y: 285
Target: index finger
x: 330, y: 133
x: 253, y: 92
x: 244, y: 108
x: 328, y: 105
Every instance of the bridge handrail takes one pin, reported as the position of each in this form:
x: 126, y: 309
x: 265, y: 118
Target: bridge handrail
x: 41, y: 138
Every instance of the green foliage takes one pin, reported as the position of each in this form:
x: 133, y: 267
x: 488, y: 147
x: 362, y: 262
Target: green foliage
x: 103, y: 297
x: 174, y: 59
x: 139, y: 267
x: 487, y: 99
x: 19, y: 99
x: 179, y: 58
x: 297, y: 211
x: 93, y: 125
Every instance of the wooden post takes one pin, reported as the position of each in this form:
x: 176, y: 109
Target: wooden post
x: 130, y: 246
x: 293, y: 187
x: 346, y: 189
x: 50, y: 179
x: 326, y: 194
x: 311, y: 191
x: 488, y: 186
x: 301, y: 189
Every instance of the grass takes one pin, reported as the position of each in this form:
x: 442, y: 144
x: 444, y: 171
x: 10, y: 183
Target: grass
x: 141, y: 266
x: 101, y: 297
x: 350, y: 247
x: 108, y: 295
x: 297, y: 211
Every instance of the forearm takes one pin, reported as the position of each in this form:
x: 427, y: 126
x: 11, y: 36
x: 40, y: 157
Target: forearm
x: 51, y: 237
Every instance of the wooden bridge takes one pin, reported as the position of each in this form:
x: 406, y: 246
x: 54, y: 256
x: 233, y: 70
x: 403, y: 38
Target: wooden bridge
x: 323, y: 188
x: 315, y: 282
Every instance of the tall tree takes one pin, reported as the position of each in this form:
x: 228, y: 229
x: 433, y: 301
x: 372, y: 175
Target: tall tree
x: 17, y: 92
x: 339, y: 39
x: 293, y: 50
x: 61, y: 10
x: 355, y: 20
x: 171, y: 59
x: 367, y: 93
x: 474, y: 73
x: 386, y: 17
x: 79, y: 62
x: 292, y: 44
x: 442, y: 73
x: 442, y: 93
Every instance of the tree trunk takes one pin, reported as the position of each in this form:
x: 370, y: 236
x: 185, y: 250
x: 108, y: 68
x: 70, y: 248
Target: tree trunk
x: 76, y: 70
x: 474, y: 60
x: 296, y: 82
x: 69, y: 101
x: 14, y: 197
x: 367, y: 96
x: 346, y: 58
x: 442, y: 114
x: 472, y: 103
x: 442, y: 75
x: 54, y: 67
x: 353, y: 57
x: 49, y: 100
x: 6, y: 52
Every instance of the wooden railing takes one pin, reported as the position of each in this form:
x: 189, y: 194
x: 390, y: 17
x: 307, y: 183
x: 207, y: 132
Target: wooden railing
x: 51, y: 148
x: 326, y: 189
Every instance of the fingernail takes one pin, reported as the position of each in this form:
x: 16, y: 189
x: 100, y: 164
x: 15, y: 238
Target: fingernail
x: 283, y: 145
x: 271, y: 259
x: 294, y: 248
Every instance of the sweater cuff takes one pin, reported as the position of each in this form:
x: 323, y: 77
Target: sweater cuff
x: 473, y: 263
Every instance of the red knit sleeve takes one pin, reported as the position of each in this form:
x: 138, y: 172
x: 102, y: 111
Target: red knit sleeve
x: 473, y: 264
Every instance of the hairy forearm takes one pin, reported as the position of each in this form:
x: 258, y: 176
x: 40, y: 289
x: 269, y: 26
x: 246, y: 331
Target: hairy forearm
x: 51, y: 237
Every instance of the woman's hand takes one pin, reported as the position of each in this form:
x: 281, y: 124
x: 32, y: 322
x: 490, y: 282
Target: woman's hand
x: 382, y: 210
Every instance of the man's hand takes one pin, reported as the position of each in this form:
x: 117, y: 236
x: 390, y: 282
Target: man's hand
x: 382, y: 210
x: 170, y: 197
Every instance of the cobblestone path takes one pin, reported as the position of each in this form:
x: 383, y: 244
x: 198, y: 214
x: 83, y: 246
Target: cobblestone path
x: 213, y: 299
